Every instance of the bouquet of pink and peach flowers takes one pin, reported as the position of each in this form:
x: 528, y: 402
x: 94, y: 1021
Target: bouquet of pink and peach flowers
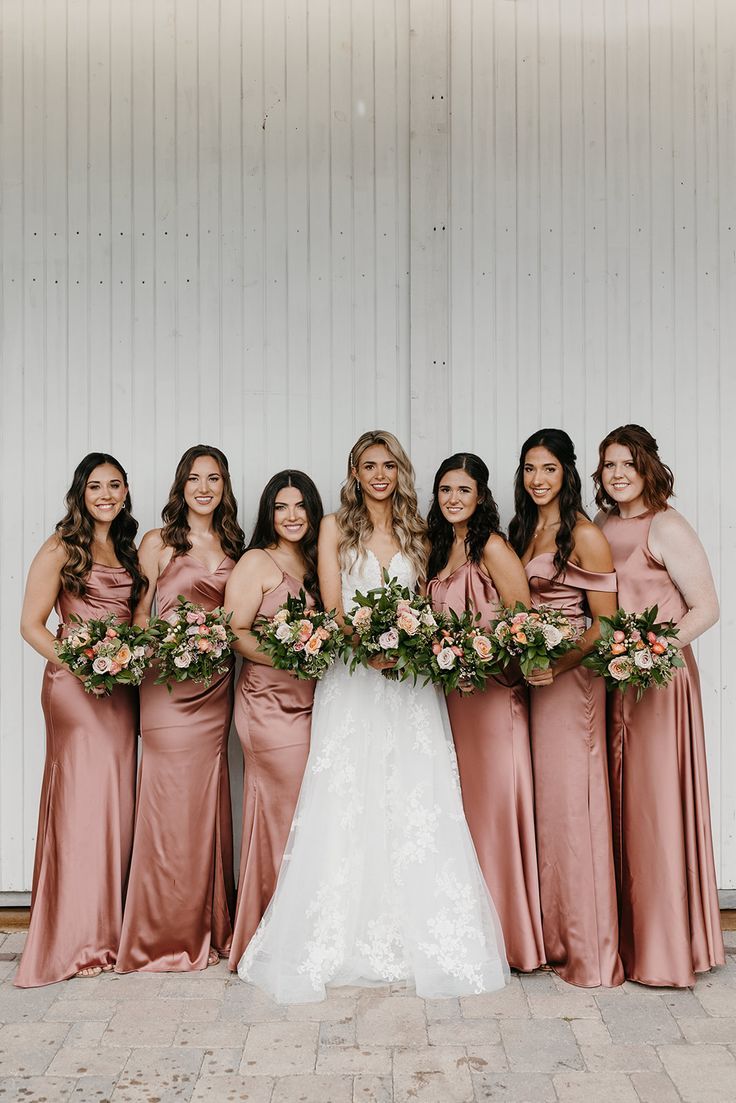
x: 635, y: 650
x: 392, y: 623
x: 192, y: 643
x: 462, y: 654
x: 105, y: 653
x: 536, y: 637
x: 303, y: 641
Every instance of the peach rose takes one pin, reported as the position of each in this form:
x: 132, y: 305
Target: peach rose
x: 408, y: 623
x: 482, y: 647
x: 313, y: 645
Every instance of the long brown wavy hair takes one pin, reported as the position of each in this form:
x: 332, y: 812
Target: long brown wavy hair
x: 353, y: 520
x: 76, y: 530
x: 175, y: 514
x: 659, y: 482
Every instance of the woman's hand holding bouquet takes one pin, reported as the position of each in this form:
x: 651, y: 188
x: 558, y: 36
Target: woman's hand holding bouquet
x: 303, y: 641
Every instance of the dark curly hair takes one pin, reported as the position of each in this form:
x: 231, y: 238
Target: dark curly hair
x: 525, y: 519
x: 76, y: 529
x: 484, y: 522
x: 175, y: 514
x: 659, y: 482
x: 264, y: 533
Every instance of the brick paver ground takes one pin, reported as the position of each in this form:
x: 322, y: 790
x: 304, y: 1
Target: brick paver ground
x: 160, y: 1038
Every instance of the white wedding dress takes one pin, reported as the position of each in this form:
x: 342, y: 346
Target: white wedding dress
x: 380, y: 881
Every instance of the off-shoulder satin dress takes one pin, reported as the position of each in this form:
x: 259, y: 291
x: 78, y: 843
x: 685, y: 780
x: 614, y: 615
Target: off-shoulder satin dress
x: 273, y: 717
x: 85, y: 826
x: 669, y: 917
x: 491, y: 734
x: 181, y: 890
x: 573, y: 807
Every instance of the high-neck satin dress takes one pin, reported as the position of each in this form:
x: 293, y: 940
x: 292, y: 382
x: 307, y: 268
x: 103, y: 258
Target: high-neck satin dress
x: 273, y: 717
x: 181, y: 890
x: 85, y: 826
x: 669, y: 916
x: 573, y: 807
x: 491, y: 735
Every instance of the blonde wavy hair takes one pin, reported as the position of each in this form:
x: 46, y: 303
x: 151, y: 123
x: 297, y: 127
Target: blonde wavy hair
x: 353, y: 520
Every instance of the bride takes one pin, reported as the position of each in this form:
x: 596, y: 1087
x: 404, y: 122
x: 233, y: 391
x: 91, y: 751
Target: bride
x: 380, y: 881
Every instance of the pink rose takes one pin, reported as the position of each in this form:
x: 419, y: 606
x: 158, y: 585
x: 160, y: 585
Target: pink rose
x: 361, y: 618
x: 446, y: 658
x: 436, y: 648
x: 621, y: 669
x: 193, y: 618
x: 298, y: 646
x: 389, y: 640
x: 115, y: 668
x: 102, y: 665
x: 619, y: 636
x: 204, y: 646
x: 305, y: 630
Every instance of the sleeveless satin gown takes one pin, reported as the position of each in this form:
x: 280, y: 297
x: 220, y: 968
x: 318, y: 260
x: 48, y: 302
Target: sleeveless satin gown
x: 573, y: 807
x: 181, y: 891
x: 273, y: 717
x: 491, y: 734
x: 85, y: 826
x: 669, y: 916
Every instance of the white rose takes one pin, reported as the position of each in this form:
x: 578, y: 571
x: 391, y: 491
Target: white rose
x: 552, y: 635
x: 389, y: 640
x: 183, y: 661
x: 446, y: 658
x: 427, y: 619
x: 280, y: 616
x: 102, y: 665
x: 644, y: 660
x: 283, y: 632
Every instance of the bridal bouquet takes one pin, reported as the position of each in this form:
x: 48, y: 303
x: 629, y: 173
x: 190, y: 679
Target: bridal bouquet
x: 462, y: 655
x: 393, y: 623
x: 536, y: 637
x: 303, y: 641
x: 634, y: 650
x: 192, y: 643
x: 105, y: 653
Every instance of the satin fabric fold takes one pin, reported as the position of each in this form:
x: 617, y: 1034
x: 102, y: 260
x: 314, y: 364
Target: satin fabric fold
x: 85, y: 826
x: 491, y: 735
x: 273, y: 716
x: 181, y: 890
x: 573, y: 809
x: 669, y: 912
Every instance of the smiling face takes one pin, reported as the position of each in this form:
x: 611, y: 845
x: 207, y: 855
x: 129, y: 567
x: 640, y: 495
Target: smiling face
x: 620, y: 479
x: 377, y: 473
x: 104, y: 493
x: 457, y: 496
x: 204, y: 486
x: 290, y: 520
x: 543, y: 475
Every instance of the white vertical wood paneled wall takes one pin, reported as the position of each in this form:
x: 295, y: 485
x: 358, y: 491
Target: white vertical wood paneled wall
x: 272, y: 224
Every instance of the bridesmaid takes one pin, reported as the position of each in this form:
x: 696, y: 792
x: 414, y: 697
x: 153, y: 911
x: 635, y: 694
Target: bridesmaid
x: 568, y: 564
x: 273, y: 710
x: 180, y: 896
x: 89, y: 567
x: 471, y: 564
x: 670, y: 923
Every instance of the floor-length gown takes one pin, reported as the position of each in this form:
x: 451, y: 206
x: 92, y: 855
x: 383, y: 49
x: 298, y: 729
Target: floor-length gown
x: 181, y: 891
x: 273, y: 716
x: 491, y: 734
x: 573, y: 807
x: 669, y: 917
x: 380, y: 881
x: 85, y: 826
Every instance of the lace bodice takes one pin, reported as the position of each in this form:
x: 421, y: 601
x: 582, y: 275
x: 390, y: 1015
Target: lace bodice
x: 365, y: 574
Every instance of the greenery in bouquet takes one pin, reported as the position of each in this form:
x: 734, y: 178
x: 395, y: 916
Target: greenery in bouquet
x: 462, y: 654
x: 635, y: 650
x: 303, y: 641
x: 192, y: 644
x: 394, y: 624
x: 105, y: 653
x: 536, y: 637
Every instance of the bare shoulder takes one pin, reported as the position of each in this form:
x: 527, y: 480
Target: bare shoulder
x: 670, y: 522
x: 496, y: 548
x: 588, y: 537
x: 52, y: 552
x: 152, y: 542
x: 329, y: 533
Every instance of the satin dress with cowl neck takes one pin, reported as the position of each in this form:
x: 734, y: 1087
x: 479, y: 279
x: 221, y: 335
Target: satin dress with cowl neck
x: 491, y: 734
x: 273, y: 717
x: 181, y: 891
x: 573, y: 806
x: 85, y: 826
x: 669, y: 913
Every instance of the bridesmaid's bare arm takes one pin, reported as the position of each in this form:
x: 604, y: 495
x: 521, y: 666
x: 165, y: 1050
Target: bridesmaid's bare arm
x: 254, y: 575
x: 42, y: 587
x: 504, y: 567
x: 152, y: 556
x: 675, y: 544
x: 328, y: 566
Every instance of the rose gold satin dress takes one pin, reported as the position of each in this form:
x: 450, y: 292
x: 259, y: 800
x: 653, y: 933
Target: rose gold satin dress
x: 669, y: 917
x: 85, y: 825
x: 491, y: 735
x: 181, y: 890
x: 573, y: 808
x: 273, y: 716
